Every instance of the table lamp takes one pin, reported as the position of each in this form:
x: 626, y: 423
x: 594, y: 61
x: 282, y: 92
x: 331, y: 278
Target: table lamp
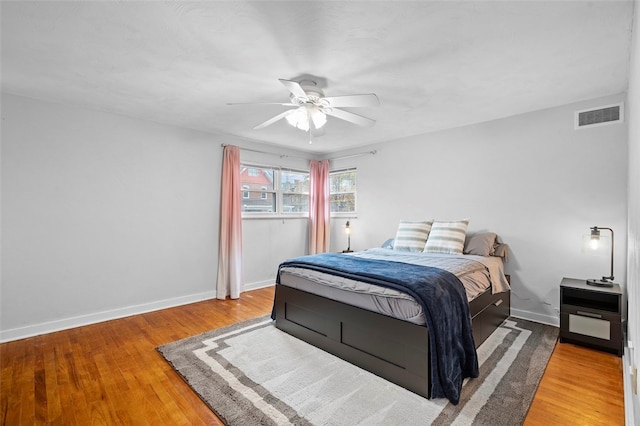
x: 594, y: 243
x: 347, y: 230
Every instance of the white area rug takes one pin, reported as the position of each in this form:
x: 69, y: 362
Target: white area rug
x: 252, y: 373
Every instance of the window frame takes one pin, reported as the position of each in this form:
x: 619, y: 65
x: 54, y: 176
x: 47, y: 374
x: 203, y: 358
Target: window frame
x: 277, y: 192
x: 353, y: 213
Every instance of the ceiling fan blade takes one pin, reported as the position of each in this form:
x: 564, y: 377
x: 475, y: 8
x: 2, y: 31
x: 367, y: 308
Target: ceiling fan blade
x: 350, y: 117
x: 295, y: 88
x: 262, y: 103
x: 364, y: 100
x: 274, y: 119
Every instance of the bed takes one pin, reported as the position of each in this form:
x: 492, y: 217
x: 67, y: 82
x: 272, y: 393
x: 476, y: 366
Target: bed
x: 332, y: 301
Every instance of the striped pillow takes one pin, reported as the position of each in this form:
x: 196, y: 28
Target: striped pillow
x: 447, y: 237
x: 412, y: 236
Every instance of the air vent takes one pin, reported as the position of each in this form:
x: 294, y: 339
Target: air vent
x: 600, y: 116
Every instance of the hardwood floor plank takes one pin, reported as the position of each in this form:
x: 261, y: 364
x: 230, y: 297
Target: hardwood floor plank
x: 40, y: 387
x: 110, y: 373
x: 54, y: 406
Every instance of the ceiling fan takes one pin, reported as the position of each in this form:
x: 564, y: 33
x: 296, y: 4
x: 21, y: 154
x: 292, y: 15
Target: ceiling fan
x: 312, y: 107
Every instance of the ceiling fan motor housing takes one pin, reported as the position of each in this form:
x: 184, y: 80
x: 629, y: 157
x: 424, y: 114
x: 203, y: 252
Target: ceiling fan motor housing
x: 313, y: 92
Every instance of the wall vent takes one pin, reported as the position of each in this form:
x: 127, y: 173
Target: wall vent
x: 599, y: 116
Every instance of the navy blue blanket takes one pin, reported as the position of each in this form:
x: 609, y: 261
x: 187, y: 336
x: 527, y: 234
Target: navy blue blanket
x: 443, y: 299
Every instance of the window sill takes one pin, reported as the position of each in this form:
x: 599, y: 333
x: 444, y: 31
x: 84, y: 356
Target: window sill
x: 276, y: 217
x: 346, y: 215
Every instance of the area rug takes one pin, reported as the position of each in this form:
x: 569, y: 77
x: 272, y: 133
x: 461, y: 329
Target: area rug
x: 251, y: 373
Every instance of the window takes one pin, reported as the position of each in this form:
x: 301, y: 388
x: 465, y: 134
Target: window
x: 294, y: 186
x: 343, y: 191
x: 270, y: 191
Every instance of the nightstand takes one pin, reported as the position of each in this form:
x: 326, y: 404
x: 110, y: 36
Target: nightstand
x: 591, y: 316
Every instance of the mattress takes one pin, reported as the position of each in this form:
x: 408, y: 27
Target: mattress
x: 477, y: 274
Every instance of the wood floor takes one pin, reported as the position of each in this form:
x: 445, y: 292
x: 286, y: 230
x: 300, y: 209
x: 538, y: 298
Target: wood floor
x: 580, y: 386
x: 110, y: 373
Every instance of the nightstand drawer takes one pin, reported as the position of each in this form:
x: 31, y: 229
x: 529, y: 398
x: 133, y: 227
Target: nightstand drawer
x: 600, y: 332
x: 588, y: 326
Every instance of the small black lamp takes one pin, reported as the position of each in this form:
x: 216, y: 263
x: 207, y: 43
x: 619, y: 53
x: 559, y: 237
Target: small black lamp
x: 595, y: 240
x: 347, y: 230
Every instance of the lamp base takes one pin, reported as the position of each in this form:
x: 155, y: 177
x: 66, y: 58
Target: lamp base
x: 599, y: 283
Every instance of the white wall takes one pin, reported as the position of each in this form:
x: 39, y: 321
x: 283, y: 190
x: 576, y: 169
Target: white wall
x: 632, y: 358
x: 102, y: 215
x: 531, y: 178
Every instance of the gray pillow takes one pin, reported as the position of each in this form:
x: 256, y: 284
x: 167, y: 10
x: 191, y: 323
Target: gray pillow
x: 480, y: 244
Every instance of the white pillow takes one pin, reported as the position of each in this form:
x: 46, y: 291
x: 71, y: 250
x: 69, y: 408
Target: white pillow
x: 447, y: 237
x: 412, y: 236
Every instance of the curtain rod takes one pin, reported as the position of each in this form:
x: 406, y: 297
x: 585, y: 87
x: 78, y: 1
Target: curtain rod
x: 358, y: 154
x: 344, y: 157
x: 267, y: 152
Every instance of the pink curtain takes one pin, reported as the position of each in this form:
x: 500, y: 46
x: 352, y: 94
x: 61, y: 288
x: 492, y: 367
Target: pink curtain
x: 319, y: 207
x: 230, y: 272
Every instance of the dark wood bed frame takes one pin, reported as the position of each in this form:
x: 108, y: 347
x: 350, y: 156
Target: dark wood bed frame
x: 388, y: 347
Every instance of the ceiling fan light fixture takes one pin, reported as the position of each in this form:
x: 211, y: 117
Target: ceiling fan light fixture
x: 302, y: 117
x: 299, y: 118
x: 318, y: 117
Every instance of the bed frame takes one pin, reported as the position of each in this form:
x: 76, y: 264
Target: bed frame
x: 388, y: 347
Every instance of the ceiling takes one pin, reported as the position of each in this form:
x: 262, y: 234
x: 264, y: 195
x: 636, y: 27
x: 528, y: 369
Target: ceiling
x: 434, y: 65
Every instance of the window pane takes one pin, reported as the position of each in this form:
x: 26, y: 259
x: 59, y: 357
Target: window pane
x: 343, y: 191
x: 258, y: 193
x: 259, y: 202
x: 295, y: 203
x: 343, y: 181
x: 343, y: 202
x: 257, y: 178
x: 297, y: 182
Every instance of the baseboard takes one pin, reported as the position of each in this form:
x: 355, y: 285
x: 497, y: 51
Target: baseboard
x: 535, y: 317
x: 259, y: 284
x: 78, y: 321
x: 631, y: 400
